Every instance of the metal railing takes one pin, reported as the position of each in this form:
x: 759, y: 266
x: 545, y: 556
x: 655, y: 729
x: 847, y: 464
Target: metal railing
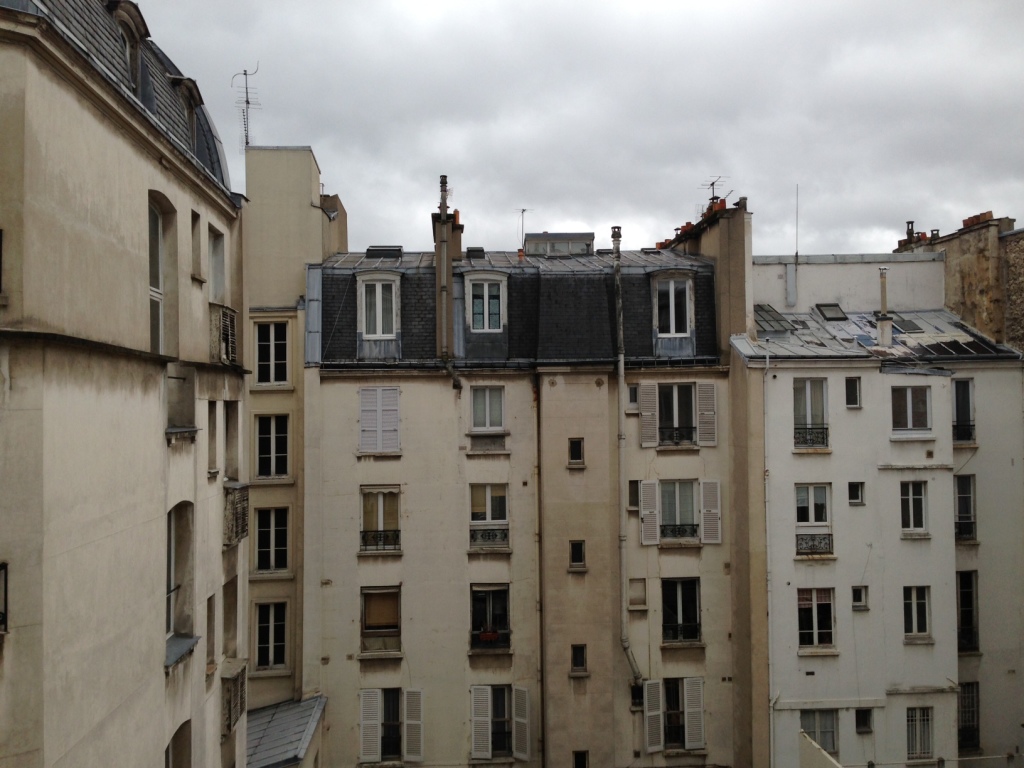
x: 679, y: 633
x: 967, y: 639
x: 375, y: 541
x: 811, y: 436
x: 488, y: 536
x: 490, y: 638
x: 677, y: 435
x: 814, y: 543
x: 966, y: 530
x: 681, y: 531
x: 963, y: 432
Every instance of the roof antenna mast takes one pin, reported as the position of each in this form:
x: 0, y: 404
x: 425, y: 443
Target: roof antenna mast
x: 248, y: 99
x: 521, y: 228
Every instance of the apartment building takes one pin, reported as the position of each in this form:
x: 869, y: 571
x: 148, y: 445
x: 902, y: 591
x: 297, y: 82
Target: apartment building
x: 123, y: 559
x: 892, y: 444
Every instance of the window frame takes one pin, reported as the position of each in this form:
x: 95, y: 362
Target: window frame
x: 672, y: 590
x: 276, y: 625
x: 486, y: 279
x: 856, y: 400
x: 804, y: 435
x: 671, y: 279
x: 273, y: 533
x: 855, y: 493
x: 375, y: 280
x: 274, y: 456
x: 216, y: 247
x: 968, y: 716
x: 863, y: 720
x: 821, y: 637
x: 812, y: 504
x: 380, y: 539
x: 272, y: 346
x: 963, y: 430
x: 686, y: 433
x: 488, y: 392
x: 578, y: 657
x: 908, y: 514
x: 920, y: 743
x: 917, y: 603
x: 967, y: 603
x: 577, y: 554
x: 157, y: 289
x: 690, y: 530
x: 367, y: 633
x: 908, y: 393
x: 494, y: 630
x: 581, y: 461
x: 861, y: 603
x: 966, y: 528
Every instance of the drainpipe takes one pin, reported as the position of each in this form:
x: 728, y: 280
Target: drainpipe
x: 768, y: 552
x: 621, y: 458
x: 444, y: 267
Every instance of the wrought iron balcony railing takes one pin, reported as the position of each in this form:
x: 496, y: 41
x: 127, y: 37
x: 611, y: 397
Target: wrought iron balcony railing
x: 490, y: 638
x: 814, y: 543
x: 681, y: 531
x: 966, y: 530
x: 373, y: 541
x: 966, y: 639
x: 488, y: 536
x: 963, y: 432
x: 680, y: 633
x: 677, y: 435
x: 811, y: 436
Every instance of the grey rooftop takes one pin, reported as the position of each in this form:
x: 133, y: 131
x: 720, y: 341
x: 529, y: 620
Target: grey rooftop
x: 279, y: 735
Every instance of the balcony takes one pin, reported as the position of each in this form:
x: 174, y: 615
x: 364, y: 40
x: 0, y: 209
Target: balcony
x: 814, y: 543
x: 967, y: 639
x: 966, y: 530
x: 963, y: 432
x: 483, y: 536
x: 810, y: 436
x: 677, y: 435
x: 683, y: 531
x: 681, y: 633
x: 380, y: 541
x: 487, y: 639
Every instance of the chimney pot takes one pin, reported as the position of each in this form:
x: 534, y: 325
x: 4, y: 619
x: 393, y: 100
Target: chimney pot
x: 910, y: 230
x: 935, y: 233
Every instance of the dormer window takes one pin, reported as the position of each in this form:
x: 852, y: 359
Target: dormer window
x: 132, y: 29
x: 192, y: 100
x: 673, y: 305
x: 379, y: 306
x: 485, y: 302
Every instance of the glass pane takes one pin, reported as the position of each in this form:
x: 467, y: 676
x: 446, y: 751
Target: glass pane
x: 281, y: 539
x: 668, y: 504
x: 390, y: 511
x: 687, y: 514
x: 691, y: 601
x: 800, y: 402
x: 498, y: 502
x: 908, y: 611
x: 803, y: 510
x: 494, y: 306
x: 820, y: 507
x: 922, y: 611
x: 478, y: 306
x: 817, y: 402
x: 680, y: 306
x: 479, y: 408
x: 669, y: 602
x: 478, y: 502
x: 381, y: 610
x: 370, y: 512
x: 919, y: 403
x: 664, y: 307
x: 154, y: 249
x: 387, y: 309
x: 370, y: 325
x: 666, y: 406
x: 685, y: 405
x: 495, y: 401
x: 899, y: 408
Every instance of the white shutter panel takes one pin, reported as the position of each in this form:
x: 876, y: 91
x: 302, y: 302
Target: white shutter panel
x: 389, y: 442
x: 520, y: 723
x: 480, y: 714
x: 649, y: 530
x: 648, y: 415
x: 654, y: 733
x: 707, y: 420
x: 413, y: 726
x: 693, y: 711
x: 369, y: 725
x: 710, y: 512
x: 369, y: 419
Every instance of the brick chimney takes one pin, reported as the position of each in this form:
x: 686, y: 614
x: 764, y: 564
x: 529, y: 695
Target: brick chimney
x: 447, y: 249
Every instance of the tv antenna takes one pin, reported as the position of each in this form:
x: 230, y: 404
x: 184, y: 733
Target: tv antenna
x: 711, y: 185
x: 248, y: 99
x: 521, y: 226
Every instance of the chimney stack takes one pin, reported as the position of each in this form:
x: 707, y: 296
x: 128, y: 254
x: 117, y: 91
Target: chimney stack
x: 884, y: 321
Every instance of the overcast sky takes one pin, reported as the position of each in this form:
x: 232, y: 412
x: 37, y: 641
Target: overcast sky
x: 607, y: 112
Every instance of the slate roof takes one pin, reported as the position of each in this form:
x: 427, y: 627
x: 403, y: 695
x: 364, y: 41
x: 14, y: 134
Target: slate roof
x: 90, y: 28
x: 934, y: 335
x: 279, y: 735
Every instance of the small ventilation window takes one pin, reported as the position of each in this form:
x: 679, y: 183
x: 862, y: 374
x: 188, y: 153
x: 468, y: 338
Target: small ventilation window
x: 831, y: 312
x: 385, y: 251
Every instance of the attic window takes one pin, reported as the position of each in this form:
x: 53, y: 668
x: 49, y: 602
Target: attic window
x: 475, y: 253
x: 384, y: 251
x: 905, y: 324
x: 831, y: 312
x: 132, y: 29
x: 769, y: 319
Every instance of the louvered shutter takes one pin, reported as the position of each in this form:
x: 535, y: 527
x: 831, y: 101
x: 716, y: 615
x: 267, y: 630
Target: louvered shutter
x: 369, y: 725
x: 649, y: 530
x: 654, y: 732
x: 693, y: 711
x: 413, y: 726
x: 707, y: 419
x: 389, y: 420
x: 710, y: 512
x: 648, y: 415
x: 369, y: 419
x: 520, y: 723
x: 480, y: 715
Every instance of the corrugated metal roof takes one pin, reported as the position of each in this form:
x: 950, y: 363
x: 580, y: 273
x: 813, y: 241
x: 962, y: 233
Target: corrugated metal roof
x: 279, y: 736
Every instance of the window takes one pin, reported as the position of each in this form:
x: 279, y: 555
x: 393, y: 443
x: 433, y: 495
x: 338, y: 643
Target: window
x: 581, y: 759
x: 680, y: 610
x: 968, y: 732
x: 853, y: 391
x: 211, y: 435
x: 229, y: 644
x: 673, y: 302
x: 963, y: 411
x: 633, y: 501
x: 271, y: 446
x: 380, y: 309
x: 270, y: 635
x: 814, y: 617
x: 678, y: 510
x: 384, y: 724
x: 486, y: 307
x: 820, y: 725
x: 633, y: 398
x: 967, y: 611
x: 488, y: 408
x: 810, y: 413
x: 911, y: 408
x: 488, y: 515
x: 814, y: 536
x: 919, y: 733
x: 378, y: 420
x: 673, y: 713
x: 180, y: 581
x: 860, y: 598
x: 912, y: 505
x: 915, y: 611
x: 500, y: 722
x: 577, y: 554
x: 211, y: 634
x: 855, y: 492
x: 218, y: 281
x: 578, y: 658
x: 966, y: 525
x: 381, y: 514
x: 197, y: 251
x: 489, y: 619
x: 676, y: 423
x: 156, y: 281
x: 863, y: 720
x: 272, y: 539
x: 381, y: 619
x: 3, y: 599
x: 272, y: 353
x: 576, y: 451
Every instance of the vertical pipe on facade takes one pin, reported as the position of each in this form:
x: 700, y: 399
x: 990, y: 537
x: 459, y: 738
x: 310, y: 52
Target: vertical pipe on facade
x: 768, y: 549
x: 621, y: 459
x: 444, y: 267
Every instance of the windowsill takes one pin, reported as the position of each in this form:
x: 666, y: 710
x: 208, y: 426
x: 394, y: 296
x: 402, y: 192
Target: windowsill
x: 272, y: 387
x: 379, y: 553
x: 860, y: 608
x: 211, y: 474
x: 492, y: 761
x: 824, y: 557
x: 632, y: 411
x: 364, y: 337
x: 174, y: 434
x: 813, y: 651
x: 922, y: 761
x: 915, y: 535
x: 198, y: 278
x: 912, y: 437
x: 689, y: 447
x: 489, y: 652
x: 575, y: 465
x: 389, y: 763
x: 179, y: 647
x: 680, y: 544
x: 503, y: 551
x: 633, y: 509
x: 918, y: 640
x: 576, y: 569
x: 853, y: 407
x: 967, y: 542
x: 970, y: 654
x: 636, y: 608
x: 285, y: 480
x: 271, y: 576
x: 379, y: 454
x: 969, y: 444
x: 682, y: 645
x: 679, y: 752
x: 275, y: 672
x: 488, y: 433
x: 489, y: 453
x: 857, y: 504
x: 578, y: 674
x: 809, y: 450
x: 380, y: 656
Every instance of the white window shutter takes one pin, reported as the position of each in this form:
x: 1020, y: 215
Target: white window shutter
x: 520, y: 723
x: 693, y: 711
x: 649, y: 530
x: 654, y: 714
x: 389, y: 422
x: 710, y: 512
x: 369, y: 419
x: 648, y: 415
x: 480, y: 715
x: 413, y: 725
x: 707, y: 420
x: 369, y: 725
